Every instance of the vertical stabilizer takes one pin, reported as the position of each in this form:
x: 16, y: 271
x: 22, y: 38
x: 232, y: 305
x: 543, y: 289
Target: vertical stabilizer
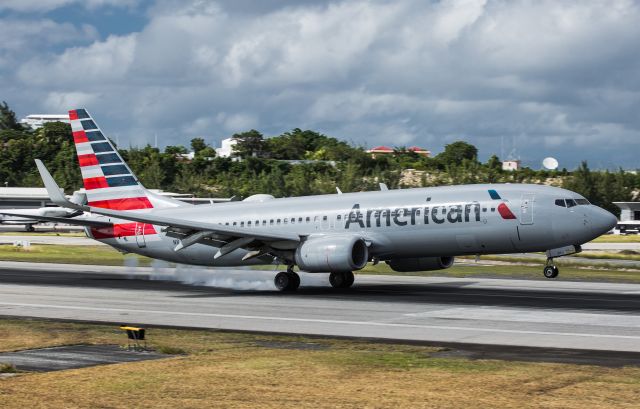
x: 108, y: 181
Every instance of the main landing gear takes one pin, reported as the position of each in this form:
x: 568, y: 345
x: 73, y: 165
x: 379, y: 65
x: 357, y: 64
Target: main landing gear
x: 341, y: 280
x: 290, y: 281
x: 550, y: 269
x: 287, y: 280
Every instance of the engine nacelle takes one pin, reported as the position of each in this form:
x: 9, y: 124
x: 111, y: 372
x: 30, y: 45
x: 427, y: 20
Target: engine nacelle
x: 407, y: 265
x: 332, y: 254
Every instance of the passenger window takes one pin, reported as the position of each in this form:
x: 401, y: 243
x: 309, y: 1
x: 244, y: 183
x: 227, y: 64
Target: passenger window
x: 493, y: 209
x: 571, y: 203
x: 560, y: 202
x: 234, y: 223
x: 293, y: 220
x: 241, y: 224
x: 249, y: 223
x: 308, y: 219
x: 264, y: 222
x: 324, y: 218
x: 278, y: 221
x: 339, y: 217
x: 417, y: 212
x: 227, y: 223
x: 299, y: 219
x: 271, y: 221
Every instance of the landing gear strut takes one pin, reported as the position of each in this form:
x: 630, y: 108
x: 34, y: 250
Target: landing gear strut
x: 341, y: 280
x: 550, y: 269
x: 287, y: 280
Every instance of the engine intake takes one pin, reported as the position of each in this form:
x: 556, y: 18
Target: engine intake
x: 407, y: 265
x: 332, y: 254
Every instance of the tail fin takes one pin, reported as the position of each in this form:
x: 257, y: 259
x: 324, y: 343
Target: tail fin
x: 108, y: 181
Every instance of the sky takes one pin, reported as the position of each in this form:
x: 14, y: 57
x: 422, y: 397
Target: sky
x: 522, y: 79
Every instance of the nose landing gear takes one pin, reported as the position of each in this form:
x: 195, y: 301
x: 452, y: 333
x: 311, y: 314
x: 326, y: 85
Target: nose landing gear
x: 550, y: 270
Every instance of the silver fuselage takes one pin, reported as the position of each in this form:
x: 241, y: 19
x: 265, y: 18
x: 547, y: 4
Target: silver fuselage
x: 422, y: 222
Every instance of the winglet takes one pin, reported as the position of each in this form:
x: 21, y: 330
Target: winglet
x: 55, y: 193
x: 383, y: 186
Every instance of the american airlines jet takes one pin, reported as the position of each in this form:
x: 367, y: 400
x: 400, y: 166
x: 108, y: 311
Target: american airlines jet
x: 410, y: 229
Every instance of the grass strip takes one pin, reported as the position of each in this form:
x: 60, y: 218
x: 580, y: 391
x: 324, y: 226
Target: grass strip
x: 234, y: 370
x: 67, y: 254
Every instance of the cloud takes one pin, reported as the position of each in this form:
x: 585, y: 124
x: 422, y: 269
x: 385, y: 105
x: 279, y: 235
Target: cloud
x: 64, y: 101
x: 553, y: 75
x: 39, y: 6
x: 23, y: 36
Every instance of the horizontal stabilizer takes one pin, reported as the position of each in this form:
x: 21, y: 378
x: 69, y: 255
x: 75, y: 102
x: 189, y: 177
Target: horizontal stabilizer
x: 66, y: 220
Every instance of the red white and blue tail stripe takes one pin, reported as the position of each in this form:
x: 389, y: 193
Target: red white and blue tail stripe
x: 108, y: 181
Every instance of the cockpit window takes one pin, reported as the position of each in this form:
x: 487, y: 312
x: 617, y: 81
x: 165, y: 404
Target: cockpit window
x: 582, y: 201
x: 571, y: 203
x: 560, y: 202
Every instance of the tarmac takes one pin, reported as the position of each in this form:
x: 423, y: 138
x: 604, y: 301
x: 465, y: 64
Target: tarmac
x: 545, y: 314
x: 74, y: 356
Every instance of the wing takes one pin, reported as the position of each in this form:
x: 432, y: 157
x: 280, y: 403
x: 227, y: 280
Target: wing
x: 191, y: 231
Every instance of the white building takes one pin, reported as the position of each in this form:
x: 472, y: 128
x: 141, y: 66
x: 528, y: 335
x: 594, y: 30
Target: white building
x: 226, y: 149
x: 36, y: 121
x: 23, y: 197
x: 511, y: 165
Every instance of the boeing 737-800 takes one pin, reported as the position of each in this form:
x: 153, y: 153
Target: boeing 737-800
x: 410, y: 229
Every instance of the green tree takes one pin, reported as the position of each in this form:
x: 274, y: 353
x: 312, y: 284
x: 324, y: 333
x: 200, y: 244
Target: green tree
x: 8, y: 118
x: 198, y: 144
x: 249, y: 143
x: 455, y: 153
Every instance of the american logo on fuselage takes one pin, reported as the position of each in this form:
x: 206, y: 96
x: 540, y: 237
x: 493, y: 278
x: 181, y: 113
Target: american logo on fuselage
x: 403, y: 216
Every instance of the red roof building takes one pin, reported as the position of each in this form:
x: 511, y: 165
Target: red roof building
x: 385, y: 150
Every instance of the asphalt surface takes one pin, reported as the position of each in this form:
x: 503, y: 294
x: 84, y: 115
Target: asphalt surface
x: 73, y: 356
x: 546, y: 314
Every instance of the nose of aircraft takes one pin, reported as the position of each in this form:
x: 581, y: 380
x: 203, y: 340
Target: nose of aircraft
x: 602, y: 221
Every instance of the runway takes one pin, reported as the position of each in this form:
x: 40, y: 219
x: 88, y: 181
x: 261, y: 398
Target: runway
x: 531, y: 313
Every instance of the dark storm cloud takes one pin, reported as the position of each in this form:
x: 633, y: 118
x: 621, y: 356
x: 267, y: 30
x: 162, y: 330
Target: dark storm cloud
x: 559, y: 78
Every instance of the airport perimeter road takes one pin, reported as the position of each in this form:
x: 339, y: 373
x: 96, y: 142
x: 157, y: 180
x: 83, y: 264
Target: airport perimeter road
x: 547, y: 313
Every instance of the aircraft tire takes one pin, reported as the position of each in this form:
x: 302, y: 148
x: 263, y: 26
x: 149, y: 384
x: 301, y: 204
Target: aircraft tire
x: 349, y: 279
x: 285, y: 281
x: 295, y: 278
x: 341, y: 280
x: 551, y: 271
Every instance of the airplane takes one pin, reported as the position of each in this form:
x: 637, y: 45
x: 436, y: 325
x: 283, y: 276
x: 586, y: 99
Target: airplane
x: 21, y: 216
x: 410, y: 229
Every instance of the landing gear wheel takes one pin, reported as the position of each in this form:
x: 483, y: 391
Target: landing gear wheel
x: 29, y: 228
x: 295, y: 278
x: 286, y: 281
x: 551, y: 271
x: 341, y: 280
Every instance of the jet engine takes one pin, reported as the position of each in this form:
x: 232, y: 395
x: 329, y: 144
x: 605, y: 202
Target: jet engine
x: 407, y: 265
x: 332, y: 254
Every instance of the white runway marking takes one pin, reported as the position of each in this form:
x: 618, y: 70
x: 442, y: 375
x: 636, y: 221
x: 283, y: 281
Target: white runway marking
x: 323, y: 321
